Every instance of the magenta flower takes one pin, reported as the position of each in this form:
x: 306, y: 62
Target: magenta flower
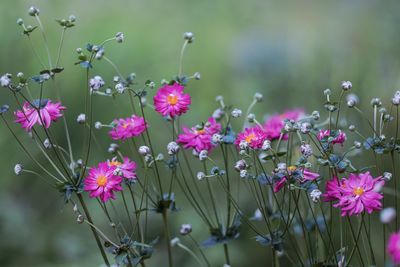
x: 340, y: 138
x: 128, y: 128
x: 355, y: 194
x: 254, y: 137
x: 332, y: 190
x: 102, y: 182
x: 126, y: 168
x: 38, y: 112
x: 393, y: 247
x: 275, y: 123
x: 303, y: 174
x: 199, y: 138
x: 170, y: 100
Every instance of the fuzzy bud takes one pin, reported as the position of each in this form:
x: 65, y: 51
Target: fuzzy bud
x: 185, y: 229
x: 218, y: 114
x: 357, y: 144
x: 305, y: 127
x: 47, y: 143
x: 376, y: 102
x: 18, y: 169
x: 236, y: 113
x: 189, y: 36
x: 203, y: 155
x: 197, y: 76
x: 387, y: 215
x: 327, y: 92
x: 81, y: 119
x: 200, y: 176
x: 144, y: 150
x: 240, y: 165
x: 387, y: 176
x: 315, y: 195
x: 33, y: 11
x: 217, y: 138
x: 80, y: 219
x: 172, y: 148
x: 266, y: 145
x: 119, y: 37
x: 251, y: 117
x: 5, y: 80
x: 306, y: 150
x: 346, y: 85
x: 96, y: 83
x: 98, y: 125
x: 396, y: 98
x: 120, y: 88
x: 352, y: 128
x: 20, y: 21
x: 315, y: 115
x: 258, y: 97
x: 243, y: 174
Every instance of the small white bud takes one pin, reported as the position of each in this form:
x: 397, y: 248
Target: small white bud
x: 96, y: 83
x: 217, y: 138
x: 47, y: 143
x: 243, y: 173
x: 144, y: 150
x: 98, y: 125
x: 251, y: 117
x: 258, y: 97
x: 172, y: 148
x: 203, y: 155
x: 33, y: 11
x: 5, y: 80
x: 346, y: 85
x: 185, y: 229
x: 236, y: 113
x: 160, y: 157
x: 387, y: 176
x: 200, y: 176
x: 387, y: 215
x: 81, y: 119
x: 266, y: 145
x: 18, y: 169
x: 175, y: 241
x: 315, y: 195
x: 119, y: 37
x: 120, y: 88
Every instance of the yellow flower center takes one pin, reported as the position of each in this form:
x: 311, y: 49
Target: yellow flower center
x: 126, y: 125
x: 114, y: 163
x: 172, y: 99
x: 358, y: 191
x: 101, y: 180
x: 291, y: 168
x: 250, y: 138
x: 202, y: 131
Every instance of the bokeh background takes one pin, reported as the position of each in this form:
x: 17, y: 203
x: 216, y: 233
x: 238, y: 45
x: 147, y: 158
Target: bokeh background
x: 287, y: 50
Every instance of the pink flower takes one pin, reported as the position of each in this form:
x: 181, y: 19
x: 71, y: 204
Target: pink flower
x: 355, y: 194
x: 339, y: 139
x: 199, y: 138
x: 126, y: 168
x: 275, y: 123
x: 170, y: 100
x: 332, y: 190
x: 393, y: 247
x: 38, y: 112
x: 128, y: 128
x: 254, y: 137
x: 102, y: 182
x: 305, y: 175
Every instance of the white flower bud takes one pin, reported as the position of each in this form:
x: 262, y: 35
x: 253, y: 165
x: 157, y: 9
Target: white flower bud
x: 18, y: 169
x: 175, y: 241
x: 160, y: 157
x: 5, y: 80
x: 98, y: 125
x: 197, y: 75
x: 266, y: 145
x: 258, y: 97
x: 120, y: 88
x: 81, y: 119
x: 185, y: 229
x: 33, y: 11
x: 251, y: 117
x: 257, y: 215
x: 172, y: 148
x: 47, y: 143
x: 218, y: 114
x: 396, y: 98
x: 315, y: 195
x: 281, y: 166
x: 189, y: 36
x: 96, y: 83
x: 203, y: 155
x: 240, y: 165
x: 305, y: 127
x: 144, y: 150
x: 387, y: 176
x: 217, y: 138
x: 236, y: 113
x: 200, y: 176
x: 346, y: 85
x: 243, y: 173
x: 119, y: 37
x: 387, y: 215
x: 243, y: 145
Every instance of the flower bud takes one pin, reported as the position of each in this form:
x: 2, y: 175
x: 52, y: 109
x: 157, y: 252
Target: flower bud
x: 357, y: 144
x: 387, y: 215
x: 98, y: 125
x: 120, y: 88
x: 197, y: 76
x: 188, y: 36
x: 18, y: 169
x: 387, y: 176
x: 396, y: 98
x: 243, y: 173
x: 5, y: 80
x: 240, y: 165
x: 80, y: 219
x: 175, y: 241
x: 266, y: 145
x: 200, y: 176
x: 47, y: 143
x: 20, y: 21
x: 119, y: 37
x: 251, y: 117
x: 236, y: 113
x: 172, y: 148
x: 258, y: 97
x: 33, y: 11
x: 315, y: 195
x: 217, y: 138
x: 376, y: 102
x: 346, y: 85
x: 96, y: 83
x: 352, y: 128
x: 306, y: 150
x: 315, y: 115
x: 327, y: 92
x: 203, y: 155
x: 144, y: 150
x: 305, y: 127
x: 185, y: 229
x: 81, y: 119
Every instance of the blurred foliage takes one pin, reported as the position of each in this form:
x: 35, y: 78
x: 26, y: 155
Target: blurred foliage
x: 287, y: 50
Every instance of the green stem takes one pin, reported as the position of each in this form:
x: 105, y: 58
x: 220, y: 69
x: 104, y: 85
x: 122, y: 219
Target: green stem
x: 167, y: 236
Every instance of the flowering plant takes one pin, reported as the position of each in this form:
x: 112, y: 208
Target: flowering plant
x: 313, y: 205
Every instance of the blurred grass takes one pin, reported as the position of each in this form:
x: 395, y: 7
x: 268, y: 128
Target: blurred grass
x: 289, y: 51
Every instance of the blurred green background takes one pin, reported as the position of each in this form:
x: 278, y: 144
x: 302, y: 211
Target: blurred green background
x: 287, y: 50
